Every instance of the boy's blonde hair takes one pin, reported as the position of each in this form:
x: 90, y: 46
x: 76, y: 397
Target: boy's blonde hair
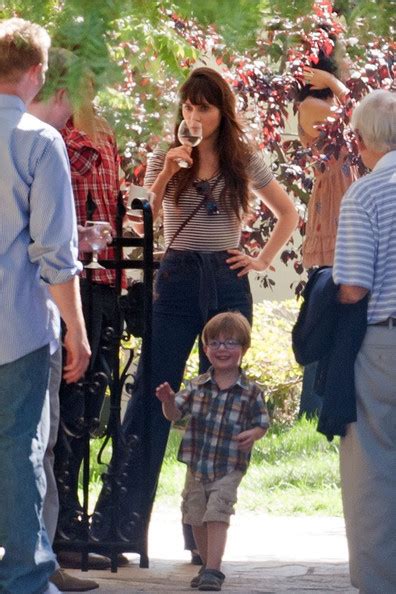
x: 230, y: 324
x: 22, y: 45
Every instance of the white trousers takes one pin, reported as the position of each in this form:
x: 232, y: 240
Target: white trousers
x: 368, y: 466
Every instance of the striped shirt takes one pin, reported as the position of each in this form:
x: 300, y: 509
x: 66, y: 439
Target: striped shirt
x: 366, y: 241
x: 38, y: 235
x: 209, y: 447
x: 205, y: 233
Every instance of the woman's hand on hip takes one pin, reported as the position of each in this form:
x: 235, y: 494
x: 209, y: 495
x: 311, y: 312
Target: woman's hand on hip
x: 244, y: 262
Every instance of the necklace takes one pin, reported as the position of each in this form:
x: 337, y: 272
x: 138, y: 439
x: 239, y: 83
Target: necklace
x: 213, y: 177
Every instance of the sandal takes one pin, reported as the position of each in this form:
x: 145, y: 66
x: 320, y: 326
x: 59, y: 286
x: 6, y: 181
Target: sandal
x: 195, y: 581
x: 211, y: 580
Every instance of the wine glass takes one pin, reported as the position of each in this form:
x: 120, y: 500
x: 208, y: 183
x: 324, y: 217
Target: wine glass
x: 189, y: 134
x: 95, y: 237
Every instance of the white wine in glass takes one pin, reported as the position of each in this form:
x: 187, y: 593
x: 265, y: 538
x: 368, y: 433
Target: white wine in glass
x: 97, y: 236
x: 189, y: 134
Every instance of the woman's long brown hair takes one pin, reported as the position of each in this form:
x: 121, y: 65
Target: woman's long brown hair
x: 205, y: 85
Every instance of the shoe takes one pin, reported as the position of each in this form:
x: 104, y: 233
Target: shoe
x: 72, y: 560
x: 122, y: 560
x: 211, y: 580
x: 195, y: 581
x: 68, y: 583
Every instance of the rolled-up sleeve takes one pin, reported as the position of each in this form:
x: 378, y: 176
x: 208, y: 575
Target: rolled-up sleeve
x: 53, y: 229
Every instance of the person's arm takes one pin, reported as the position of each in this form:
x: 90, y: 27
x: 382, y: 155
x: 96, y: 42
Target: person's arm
x: 67, y: 298
x: 313, y: 112
x: 166, y: 395
x: 157, y: 177
x: 53, y: 247
x: 275, y: 197
x: 170, y: 167
x: 258, y: 418
x: 321, y: 79
x: 247, y: 438
x: 355, y: 250
x: 349, y: 294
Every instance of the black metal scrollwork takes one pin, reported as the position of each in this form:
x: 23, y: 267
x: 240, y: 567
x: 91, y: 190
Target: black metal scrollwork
x: 78, y: 532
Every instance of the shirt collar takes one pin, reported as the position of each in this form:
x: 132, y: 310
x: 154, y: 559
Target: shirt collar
x: 387, y: 160
x: 12, y: 101
x: 242, y: 380
x: 78, y: 136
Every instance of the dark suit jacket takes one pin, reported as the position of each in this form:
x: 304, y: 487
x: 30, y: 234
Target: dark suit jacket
x: 330, y: 333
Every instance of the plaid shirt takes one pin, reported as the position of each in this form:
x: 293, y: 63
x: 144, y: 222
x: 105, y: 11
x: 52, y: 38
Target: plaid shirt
x: 94, y: 168
x: 217, y: 416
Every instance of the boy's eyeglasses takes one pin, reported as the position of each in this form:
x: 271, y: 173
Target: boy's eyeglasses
x: 229, y: 344
x: 204, y: 188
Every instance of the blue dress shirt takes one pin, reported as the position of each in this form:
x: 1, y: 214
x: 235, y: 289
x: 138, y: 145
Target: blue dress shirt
x: 38, y: 235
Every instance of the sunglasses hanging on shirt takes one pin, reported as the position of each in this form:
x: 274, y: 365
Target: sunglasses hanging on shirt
x: 204, y: 188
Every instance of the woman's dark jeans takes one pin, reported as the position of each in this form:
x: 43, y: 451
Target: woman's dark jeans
x: 191, y: 287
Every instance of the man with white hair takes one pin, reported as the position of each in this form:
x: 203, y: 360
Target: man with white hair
x: 38, y: 260
x: 365, y: 262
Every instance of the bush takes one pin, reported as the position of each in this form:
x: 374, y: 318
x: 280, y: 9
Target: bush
x: 293, y: 470
x: 270, y: 361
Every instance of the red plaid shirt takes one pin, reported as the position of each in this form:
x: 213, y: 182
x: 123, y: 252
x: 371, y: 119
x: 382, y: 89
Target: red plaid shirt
x: 95, y: 169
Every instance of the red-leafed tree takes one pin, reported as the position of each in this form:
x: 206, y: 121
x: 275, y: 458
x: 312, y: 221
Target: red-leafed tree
x: 140, y: 52
x: 265, y: 80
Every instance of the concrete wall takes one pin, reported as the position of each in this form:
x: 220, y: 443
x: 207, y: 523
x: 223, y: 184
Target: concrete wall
x: 283, y: 276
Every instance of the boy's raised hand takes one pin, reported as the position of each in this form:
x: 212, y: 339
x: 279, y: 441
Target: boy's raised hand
x: 165, y: 393
x: 247, y: 438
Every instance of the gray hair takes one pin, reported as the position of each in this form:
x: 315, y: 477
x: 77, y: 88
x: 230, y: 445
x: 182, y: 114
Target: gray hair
x: 375, y: 120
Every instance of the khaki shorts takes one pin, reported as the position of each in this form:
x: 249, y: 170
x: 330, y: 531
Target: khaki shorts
x: 210, y: 502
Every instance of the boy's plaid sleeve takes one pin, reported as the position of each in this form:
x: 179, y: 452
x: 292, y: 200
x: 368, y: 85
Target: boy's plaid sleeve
x: 259, y: 411
x: 183, y: 400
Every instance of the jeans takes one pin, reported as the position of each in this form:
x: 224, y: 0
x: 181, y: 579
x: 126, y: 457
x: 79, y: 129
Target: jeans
x: 191, y: 287
x: 51, y: 501
x: 28, y: 559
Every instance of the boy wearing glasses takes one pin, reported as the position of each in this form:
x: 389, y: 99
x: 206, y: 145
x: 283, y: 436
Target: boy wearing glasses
x: 227, y: 414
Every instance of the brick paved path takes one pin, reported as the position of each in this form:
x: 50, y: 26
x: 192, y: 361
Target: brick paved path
x: 265, y: 554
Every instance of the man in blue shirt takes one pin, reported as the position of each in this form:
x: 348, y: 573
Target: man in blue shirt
x: 365, y: 262
x: 38, y: 260
x: 53, y: 105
